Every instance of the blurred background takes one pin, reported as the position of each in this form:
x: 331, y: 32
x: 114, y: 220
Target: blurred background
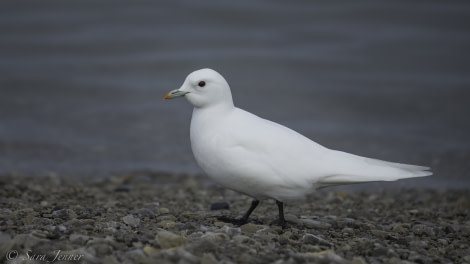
x: 82, y: 82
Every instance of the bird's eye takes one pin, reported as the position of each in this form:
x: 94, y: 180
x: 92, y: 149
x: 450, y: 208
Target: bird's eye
x: 201, y: 84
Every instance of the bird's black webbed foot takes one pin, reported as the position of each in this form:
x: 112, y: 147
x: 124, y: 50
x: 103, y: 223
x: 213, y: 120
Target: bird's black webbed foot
x: 244, y: 218
x: 282, y: 224
x: 234, y: 221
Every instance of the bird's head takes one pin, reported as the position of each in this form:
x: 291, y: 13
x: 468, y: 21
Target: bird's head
x: 204, y: 88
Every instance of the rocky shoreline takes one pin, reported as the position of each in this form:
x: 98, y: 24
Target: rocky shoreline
x: 148, y: 217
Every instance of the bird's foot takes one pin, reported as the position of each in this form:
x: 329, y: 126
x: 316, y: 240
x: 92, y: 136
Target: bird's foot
x: 234, y: 221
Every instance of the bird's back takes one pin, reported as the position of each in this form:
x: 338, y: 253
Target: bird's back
x: 264, y: 159
x: 255, y: 156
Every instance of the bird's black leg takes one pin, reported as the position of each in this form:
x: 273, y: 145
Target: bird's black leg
x: 282, y: 220
x: 244, y: 218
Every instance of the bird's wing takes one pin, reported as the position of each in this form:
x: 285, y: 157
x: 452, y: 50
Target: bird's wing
x: 294, y: 160
x: 271, y: 151
x: 356, y: 169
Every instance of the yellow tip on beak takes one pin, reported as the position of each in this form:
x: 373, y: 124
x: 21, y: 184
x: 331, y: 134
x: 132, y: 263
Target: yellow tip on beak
x: 174, y: 94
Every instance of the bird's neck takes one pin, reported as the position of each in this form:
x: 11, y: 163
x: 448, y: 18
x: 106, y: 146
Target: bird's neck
x: 215, y: 108
x: 210, y: 114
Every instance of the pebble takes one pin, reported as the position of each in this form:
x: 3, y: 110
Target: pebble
x: 420, y: 229
x: 251, y: 228
x: 79, y: 239
x: 380, y: 233
x: 164, y: 210
x: 314, y: 240
x: 168, y: 239
x: 208, y: 258
x: 149, y: 250
x: 220, y: 206
x: 167, y: 224
x: 65, y: 214
x: 399, y: 228
x: 310, y: 223
x: 215, y: 237
x: 241, y: 239
x: 153, y: 223
x: 131, y: 220
x: 144, y: 212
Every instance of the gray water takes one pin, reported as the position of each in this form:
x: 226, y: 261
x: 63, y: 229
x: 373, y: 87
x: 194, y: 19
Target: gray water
x: 82, y: 81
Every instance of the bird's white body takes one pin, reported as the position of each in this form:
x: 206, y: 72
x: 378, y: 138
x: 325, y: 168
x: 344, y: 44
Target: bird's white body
x: 263, y: 159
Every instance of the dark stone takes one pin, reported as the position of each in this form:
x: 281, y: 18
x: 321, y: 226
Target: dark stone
x: 123, y: 188
x: 219, y: 206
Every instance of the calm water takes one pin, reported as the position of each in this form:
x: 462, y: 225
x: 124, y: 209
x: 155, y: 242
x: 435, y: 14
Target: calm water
x: 82, y: 82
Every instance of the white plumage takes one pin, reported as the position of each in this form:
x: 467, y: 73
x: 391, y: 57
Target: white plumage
x: 263, y: 159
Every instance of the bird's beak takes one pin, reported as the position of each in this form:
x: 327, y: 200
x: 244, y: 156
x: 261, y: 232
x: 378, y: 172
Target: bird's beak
x: 174, y: 94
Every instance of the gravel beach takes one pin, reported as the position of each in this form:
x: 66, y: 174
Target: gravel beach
x: 148, y: 217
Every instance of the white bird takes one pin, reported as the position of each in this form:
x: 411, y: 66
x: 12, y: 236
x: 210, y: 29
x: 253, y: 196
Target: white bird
x: 266, y: 160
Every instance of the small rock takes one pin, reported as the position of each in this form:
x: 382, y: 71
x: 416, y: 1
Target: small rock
x: 345, y: 247
x: 310, y: 223
x: 326, y: 256
x: 215, y: 237
x: 291, y: 218
x: 251, y: 228
x: 168, y: 239
x: 220, y: 206
x: 315, y: 240
x: 25, y: 241
x: 208, y: 258
x: 144, y: 212
x: 241, y: 239
x: 358, y: 260
x: 418, y: 258
x: 108, y: 240
x: 100, y: 250
x: 348, y: 220
x: 149, y: 250
x: 164, y: 210
x: 379, y: 252
x: 166, y: 224
x: 392, y: 254
x: 40, y: 233
x: 286, y: 235
x: 231, y: 231
x: 131, y: 220
x: 347, y: 231
x: 379, y: 233
x: 443, y: 241
x: 166, y: 217
x: 420, y: 229
x: 65, y: 214
x: 137, y: 244
x: 79, y: 239
x: 418, y: 244
x: 186, y: 256
x: 398, y: 228
x: 220, y: 224
x: 122, y: 188
x: 135, y: 254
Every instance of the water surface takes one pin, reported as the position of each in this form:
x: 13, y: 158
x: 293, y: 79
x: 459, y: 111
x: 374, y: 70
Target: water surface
x: 82, y: 83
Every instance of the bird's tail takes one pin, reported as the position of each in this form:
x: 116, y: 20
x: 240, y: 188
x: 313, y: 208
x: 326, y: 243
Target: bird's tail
x: 360, y: 169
